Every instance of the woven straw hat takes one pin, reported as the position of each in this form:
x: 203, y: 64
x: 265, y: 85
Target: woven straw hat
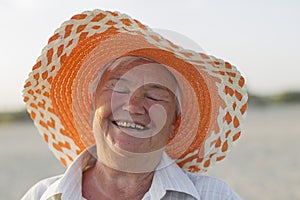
x: 58, y: 90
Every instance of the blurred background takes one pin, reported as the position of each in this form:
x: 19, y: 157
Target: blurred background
x: 260, y: 37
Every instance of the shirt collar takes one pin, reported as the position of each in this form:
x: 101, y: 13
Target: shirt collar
x: 170, y: 177
x: 70, y: 184
x: 167, y: 177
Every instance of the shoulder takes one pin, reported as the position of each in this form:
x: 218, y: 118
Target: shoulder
x: 212, y: 188
x: 37, y: 190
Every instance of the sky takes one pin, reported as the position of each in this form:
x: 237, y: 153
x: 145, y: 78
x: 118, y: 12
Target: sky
x: 261, y: 38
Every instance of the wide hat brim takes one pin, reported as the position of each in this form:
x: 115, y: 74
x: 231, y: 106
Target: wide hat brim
x: 58, y: 92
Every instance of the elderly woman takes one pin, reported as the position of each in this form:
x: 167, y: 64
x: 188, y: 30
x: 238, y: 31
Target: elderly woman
x: 132, y: 115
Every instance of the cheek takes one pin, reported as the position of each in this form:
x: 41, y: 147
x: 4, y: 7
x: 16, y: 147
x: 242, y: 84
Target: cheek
x: 163, y: 118
x: 102, y: 107
x: 109, y: 103
x: 163, y: 113
x: 117, y: 100
x: 96, y: 125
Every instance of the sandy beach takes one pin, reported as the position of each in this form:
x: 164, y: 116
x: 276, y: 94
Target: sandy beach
x: 265, y: 164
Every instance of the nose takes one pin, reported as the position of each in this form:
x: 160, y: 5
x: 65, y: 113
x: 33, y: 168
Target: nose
x: 135, y: 105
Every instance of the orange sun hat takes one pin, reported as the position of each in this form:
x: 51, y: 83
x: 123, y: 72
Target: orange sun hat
x: 58, y: 93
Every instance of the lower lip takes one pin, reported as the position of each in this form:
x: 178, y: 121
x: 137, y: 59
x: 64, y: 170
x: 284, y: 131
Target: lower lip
x: 114, y: 123
x: 135, y: 133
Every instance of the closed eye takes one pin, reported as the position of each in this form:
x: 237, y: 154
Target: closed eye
x: 118, y: 85
x: 120, y: 91
x: 156, y: 99
x: 157, y: 93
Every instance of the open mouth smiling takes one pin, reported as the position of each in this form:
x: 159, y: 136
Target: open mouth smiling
x: 131, y: 125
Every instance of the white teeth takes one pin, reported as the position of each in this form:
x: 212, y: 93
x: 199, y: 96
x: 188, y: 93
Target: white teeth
x: 130, y: 125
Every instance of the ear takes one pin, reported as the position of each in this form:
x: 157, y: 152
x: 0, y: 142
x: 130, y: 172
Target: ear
x: 171, y: 134
x: 175, y: 127
x: 177, y: 124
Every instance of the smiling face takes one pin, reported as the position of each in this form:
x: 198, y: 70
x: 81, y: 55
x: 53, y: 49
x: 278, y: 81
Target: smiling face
x: 135, y: 107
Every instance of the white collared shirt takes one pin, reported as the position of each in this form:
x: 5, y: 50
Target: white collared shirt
x: 169, y: 183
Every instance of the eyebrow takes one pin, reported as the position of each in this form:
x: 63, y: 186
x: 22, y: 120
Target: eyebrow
x: 151, y: 85
x: 118, y: 79
x: 157, y: 86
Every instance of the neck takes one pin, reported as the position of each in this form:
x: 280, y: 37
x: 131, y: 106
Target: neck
x: 107, y: 183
